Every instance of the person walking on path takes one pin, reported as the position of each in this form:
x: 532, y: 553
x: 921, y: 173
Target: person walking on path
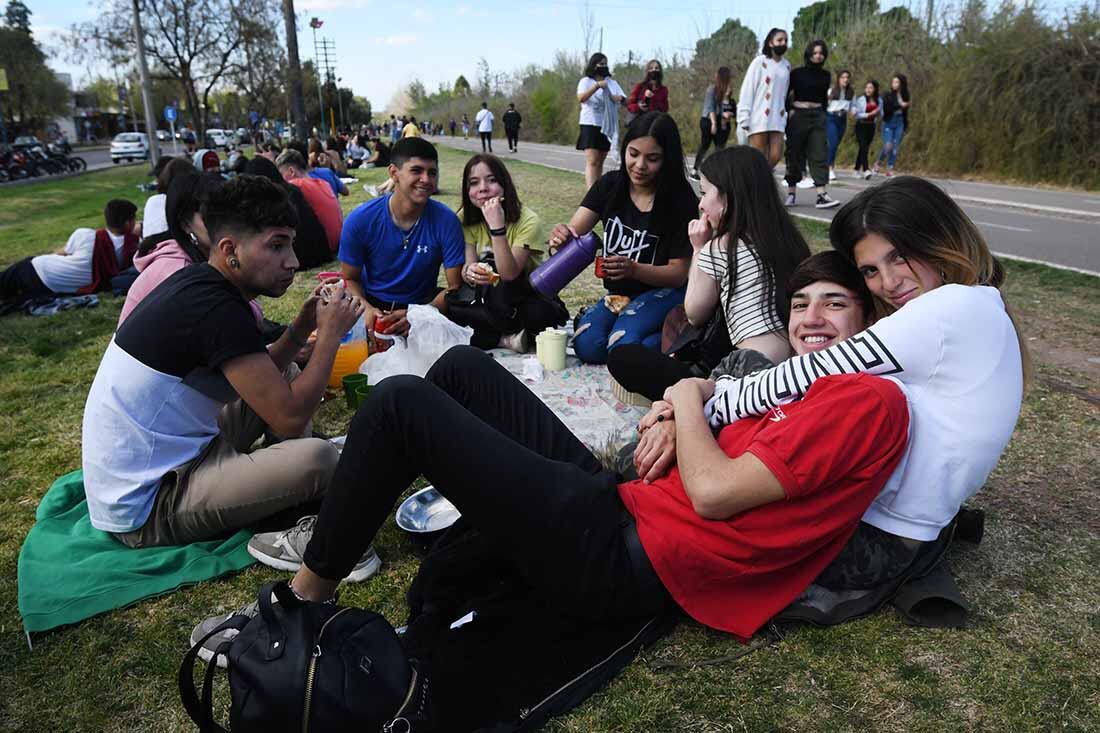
x: 761, y: 106
x: 895, y: 121
x: 806, y: 138
x: 650, y: 93
x: 512, y: 120
x: 465, y: 126
x: 599, y: 96
x: 714, y: 123
x: 484, y: 120
x: 453, y: 125
x: 836, y: 122
x: 867, y: 109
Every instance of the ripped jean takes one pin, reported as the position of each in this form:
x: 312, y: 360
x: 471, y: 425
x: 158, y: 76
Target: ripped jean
x: 599, y: 330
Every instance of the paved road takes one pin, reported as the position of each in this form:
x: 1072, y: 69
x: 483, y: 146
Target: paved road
x: 1053, y: 227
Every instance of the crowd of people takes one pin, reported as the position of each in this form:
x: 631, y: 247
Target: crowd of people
x: 831, y: 416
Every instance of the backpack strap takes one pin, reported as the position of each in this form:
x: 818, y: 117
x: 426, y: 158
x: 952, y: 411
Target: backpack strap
x: 201, y: 714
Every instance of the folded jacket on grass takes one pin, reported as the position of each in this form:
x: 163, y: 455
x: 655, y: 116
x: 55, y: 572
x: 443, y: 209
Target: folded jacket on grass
x: 70, y: 571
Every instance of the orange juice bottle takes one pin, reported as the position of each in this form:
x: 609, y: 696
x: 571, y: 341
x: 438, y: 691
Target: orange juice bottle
x: 351, y: 354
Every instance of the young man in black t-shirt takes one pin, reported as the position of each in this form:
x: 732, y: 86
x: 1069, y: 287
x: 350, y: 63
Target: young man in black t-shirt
x: 186, y: 386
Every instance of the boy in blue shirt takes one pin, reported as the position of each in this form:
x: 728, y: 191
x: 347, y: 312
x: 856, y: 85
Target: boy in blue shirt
x: 392, y: 246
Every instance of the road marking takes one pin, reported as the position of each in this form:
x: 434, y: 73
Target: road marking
x: 1000, y: 226
x: 1020, y: 205
x: 1055, y: 265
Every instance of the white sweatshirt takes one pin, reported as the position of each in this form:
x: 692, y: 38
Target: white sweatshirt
x: 762, y: 104
x: 954, y: 353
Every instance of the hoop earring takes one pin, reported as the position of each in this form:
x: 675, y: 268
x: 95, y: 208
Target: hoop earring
x: 234, y: 263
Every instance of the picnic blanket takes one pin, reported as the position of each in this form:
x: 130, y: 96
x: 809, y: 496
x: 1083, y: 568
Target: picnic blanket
x: 70, y: 571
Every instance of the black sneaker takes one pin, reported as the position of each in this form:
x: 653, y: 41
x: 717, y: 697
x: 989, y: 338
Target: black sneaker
x: 824, y: 201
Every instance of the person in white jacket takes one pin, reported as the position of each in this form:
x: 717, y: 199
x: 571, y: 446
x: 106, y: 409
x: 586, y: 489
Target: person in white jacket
x: 761, y: 106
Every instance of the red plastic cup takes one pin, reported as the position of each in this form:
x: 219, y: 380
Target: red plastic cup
x: 378, y: 327
x: 322, y: 276
x: 600, y: 272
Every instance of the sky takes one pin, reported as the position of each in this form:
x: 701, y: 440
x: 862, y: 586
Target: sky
x: 381, y: 46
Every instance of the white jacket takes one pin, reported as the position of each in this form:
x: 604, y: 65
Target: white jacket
x: 762, y: 104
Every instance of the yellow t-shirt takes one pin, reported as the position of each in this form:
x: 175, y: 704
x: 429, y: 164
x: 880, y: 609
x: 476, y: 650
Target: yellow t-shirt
x: 410, y: 130
x: 527, y: 232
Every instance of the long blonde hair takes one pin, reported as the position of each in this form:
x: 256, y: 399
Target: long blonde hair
x: 924, y: 224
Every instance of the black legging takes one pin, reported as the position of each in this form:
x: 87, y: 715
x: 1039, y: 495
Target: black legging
x: 511, y: 467
x: 513, y: 138
x: 645, y: 371
x: 486, y: 142
x: 865, y: 135
x: 705, y: 139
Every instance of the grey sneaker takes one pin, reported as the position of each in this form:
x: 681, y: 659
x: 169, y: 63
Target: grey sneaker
x: 284, y: 550
x: 790, y: 199
x: 206, y: 652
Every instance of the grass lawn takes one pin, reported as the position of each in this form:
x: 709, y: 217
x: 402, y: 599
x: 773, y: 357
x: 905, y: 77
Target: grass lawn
x: 1027, y: 660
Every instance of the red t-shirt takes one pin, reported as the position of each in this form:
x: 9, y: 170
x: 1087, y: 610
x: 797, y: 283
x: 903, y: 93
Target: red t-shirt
x: 324, y: 203
x: 832, y: 452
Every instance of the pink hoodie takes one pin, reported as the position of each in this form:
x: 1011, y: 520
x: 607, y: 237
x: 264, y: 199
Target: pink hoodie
x: 156, y: 267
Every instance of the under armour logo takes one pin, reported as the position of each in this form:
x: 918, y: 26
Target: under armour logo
x: 777, y: 415
x: 422, y: 249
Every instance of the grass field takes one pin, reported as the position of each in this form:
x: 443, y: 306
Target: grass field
x: 1027, y: 660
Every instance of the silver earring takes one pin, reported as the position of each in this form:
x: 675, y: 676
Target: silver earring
x: 234, y: 263
x: 194, y: 239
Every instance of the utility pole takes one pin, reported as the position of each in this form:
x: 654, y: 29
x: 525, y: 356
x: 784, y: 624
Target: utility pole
x: 146, y: 92
x: 316, y: 23
x: 340, y: 102
x: 294, y: 73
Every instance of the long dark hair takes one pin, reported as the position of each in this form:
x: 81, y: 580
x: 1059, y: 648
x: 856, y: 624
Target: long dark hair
x: 765, y: 50
x: 847, y: 92
x: 721, y: 84
x: 808, y: 54
x: 756, y: 217
x: 593, y: 61
x: 873, y: 83
x: 903, y: 87
x: 185, y: 197
x: 672, y: 183
x: 471, y: 214
x: 660, y: 72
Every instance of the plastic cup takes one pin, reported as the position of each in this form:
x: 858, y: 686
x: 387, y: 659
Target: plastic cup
x: 361, y: 394
x: 550, y: 349
x: 322, y: 276
x: 353, y: 382
x: 600, y: 272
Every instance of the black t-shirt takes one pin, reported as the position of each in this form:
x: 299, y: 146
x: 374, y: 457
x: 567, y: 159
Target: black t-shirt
x: 628, y: 232
x: 383, y: 151
x: 512, y: 119
x: 810, y: 84
x: 189, y: 326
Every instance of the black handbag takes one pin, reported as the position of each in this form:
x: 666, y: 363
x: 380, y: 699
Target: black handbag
x: 702, y: 347
x: 300, y: 666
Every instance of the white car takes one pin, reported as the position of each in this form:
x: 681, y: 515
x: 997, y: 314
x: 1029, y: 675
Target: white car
x: 218, y: 138
x: 163, y: 135
x: 129, y: 146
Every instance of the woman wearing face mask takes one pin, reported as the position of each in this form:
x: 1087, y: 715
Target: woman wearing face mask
x: 806, y: 138
x: 745, y: 247
x: 866, y: 110
x: 840, y: 103
x: 504, y: 243
x: 645, y: 207
x: 600, y: 97
x: 714, y: 124
x: 761, y: 106
x: 945, y: 334
x: 650, y: 94
x: 895, y: 121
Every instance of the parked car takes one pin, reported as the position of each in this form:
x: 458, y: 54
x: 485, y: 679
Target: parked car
x: 218, y: 138
x: 243, y: 136
x: 129, y: 146
x: 164, y: 135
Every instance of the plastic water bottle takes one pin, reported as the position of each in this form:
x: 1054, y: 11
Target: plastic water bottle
x: 572, y: 258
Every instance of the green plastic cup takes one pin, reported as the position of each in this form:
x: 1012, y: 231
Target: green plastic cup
x: 352, y: 382
x: 362, y: 391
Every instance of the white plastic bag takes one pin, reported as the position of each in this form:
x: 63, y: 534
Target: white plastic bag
x: 430, y: 335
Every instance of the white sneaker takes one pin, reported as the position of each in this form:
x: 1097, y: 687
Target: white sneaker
x: 832, y: 175
x: 790, y: 200
x: 867, y: 175
x: 284, y: 550
x: 372, y: 191
x: 806, y: 183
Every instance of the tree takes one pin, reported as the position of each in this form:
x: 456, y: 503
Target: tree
x: 462, y: 87
x: 828, y: 19
x: 732, y: 45
x: 294, y: 71
x: 484, y: 79
x: 259, y: 71
x: 36, y: 95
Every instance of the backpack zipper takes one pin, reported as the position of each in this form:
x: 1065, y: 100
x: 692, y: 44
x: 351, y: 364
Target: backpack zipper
x: 389, y: 727
x: 312, y: 671
x: 527, y: 712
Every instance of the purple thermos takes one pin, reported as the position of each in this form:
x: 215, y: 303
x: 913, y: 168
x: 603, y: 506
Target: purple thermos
x: 572, y: 258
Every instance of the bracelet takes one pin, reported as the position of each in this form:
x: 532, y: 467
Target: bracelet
x: 498, y: 232
x: 294, y: 337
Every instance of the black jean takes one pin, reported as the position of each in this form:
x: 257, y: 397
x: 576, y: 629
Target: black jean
x: 20, y: 282
x: 486, y: 142
x: 645, y: 371
x: 509, y: 465
x: 513, y: 138
x: 706, y: 138
x: 865, y: 135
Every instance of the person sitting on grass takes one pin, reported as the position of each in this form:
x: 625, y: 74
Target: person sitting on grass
x: 392, y: 246
x: 645, y: 207
x: 317, y: 193
x: 732, y: 534
x: 84, y: 265
x: 187, y: 385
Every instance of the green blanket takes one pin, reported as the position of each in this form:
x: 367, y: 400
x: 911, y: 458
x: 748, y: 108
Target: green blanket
x: 70, y: 571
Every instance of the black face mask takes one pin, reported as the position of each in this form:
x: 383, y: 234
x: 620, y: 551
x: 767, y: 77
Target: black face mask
x: 601, y: 71
x: 779, y: 50
x: 654, y: 76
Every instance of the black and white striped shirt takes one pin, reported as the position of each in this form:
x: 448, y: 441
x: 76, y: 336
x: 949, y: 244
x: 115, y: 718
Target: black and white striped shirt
x: 749, y: 311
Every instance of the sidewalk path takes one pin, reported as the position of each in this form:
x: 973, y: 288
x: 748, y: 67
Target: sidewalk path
x: 1058, y: 228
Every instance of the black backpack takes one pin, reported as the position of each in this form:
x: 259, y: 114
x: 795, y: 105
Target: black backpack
x: 299, y: 666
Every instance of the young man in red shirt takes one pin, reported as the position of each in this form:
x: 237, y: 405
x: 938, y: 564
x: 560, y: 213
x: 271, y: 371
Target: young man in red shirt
x: 732, y: 533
